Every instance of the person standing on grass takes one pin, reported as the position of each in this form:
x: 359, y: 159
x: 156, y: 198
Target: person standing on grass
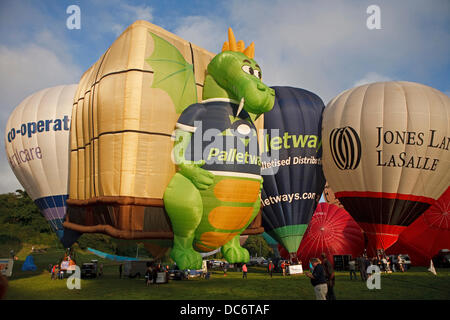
x: 363, y: 265
x: 100, y: 271
x: 244, y: 271
x: 270, y: 267
x: 400, y: 263
x: 283, y: 268
x: 318, y: 279
x: 352, y: 269
x: 120, y: 271
x: 54, y: 272
x: 148, y: 275
x: 154, y: 274
x: 329, y: 274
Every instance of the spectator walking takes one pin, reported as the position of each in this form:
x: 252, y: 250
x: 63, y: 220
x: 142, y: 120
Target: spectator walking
x: 400, y: 263
x: 100, y: 270
x: 148, y: 275
x: 283, y: 268
x: 318, y: 279
x: 154, y: 274
x: 329, y: 274
x: 352, y: 269
x: 120, y: 271
x: 270, y: 268
x: 244, y: 271
x: 362, y: 261
x: 54, y: 271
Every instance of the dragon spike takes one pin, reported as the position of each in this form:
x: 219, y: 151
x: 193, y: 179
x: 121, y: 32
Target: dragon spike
x: 232, y: 40
x: 240, y: 46
x: 232, y: 45
x: 226, y: 46
x: 250, y: 51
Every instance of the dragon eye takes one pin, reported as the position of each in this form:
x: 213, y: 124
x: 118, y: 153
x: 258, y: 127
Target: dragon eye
x: 257, y: 73
x: 247, y: 69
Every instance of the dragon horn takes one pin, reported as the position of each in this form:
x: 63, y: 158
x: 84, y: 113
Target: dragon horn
x: 232, y: 40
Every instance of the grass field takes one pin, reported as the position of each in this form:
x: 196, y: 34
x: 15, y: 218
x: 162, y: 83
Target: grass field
x: 416, y: 284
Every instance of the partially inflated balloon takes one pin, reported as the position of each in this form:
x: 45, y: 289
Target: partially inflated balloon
x: 331, y: 231
x: 292, y: 170
x: 429, y: 234
x: 386, y: 154
x: 37, y: 146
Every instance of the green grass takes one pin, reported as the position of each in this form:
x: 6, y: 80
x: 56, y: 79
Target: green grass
x: 416, y: 284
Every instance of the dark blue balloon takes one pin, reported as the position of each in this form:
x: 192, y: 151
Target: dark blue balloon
x: 291, y: 164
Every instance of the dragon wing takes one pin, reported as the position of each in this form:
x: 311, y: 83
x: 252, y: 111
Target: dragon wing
x: 172, y: 73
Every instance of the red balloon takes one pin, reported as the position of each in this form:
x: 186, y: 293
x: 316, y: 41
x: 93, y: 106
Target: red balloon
x: 331, y: 231
x: 428, y: 234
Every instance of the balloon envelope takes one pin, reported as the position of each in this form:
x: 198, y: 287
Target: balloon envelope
x: 331, y: 231
x: 37, y: 146
x: 386, y: 154
x: 291, y: 165
x: 429, y: 234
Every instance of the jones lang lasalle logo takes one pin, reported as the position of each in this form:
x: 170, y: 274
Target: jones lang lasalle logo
x: 345, y: 148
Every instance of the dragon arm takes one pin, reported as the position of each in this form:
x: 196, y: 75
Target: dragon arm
x: 201, y: 178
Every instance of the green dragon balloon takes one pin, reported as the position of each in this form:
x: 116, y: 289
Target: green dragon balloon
x: 214, y: 195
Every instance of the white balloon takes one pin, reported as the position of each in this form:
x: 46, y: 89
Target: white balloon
x: 37, y: 146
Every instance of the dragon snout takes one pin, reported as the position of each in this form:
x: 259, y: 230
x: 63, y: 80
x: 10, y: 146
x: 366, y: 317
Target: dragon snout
x: 262, y: 87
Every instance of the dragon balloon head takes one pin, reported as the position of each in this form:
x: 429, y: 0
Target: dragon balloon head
x: 235, y: 71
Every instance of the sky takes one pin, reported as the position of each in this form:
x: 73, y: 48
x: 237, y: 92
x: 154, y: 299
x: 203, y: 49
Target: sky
x: 322, y: 46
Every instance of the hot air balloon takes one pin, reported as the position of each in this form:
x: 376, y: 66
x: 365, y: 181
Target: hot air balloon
x: 331, y: 231
x: 386, y: 154
x: 125, y: 111
x: 429, y: 234
x: 37, y: 146
x: 291, y: 165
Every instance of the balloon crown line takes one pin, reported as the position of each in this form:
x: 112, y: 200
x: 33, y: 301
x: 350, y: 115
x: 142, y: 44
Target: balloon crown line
x: 232, y: 45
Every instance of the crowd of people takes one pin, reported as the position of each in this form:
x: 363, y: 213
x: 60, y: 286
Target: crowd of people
x: 58, y: 270
x: 151, y: 274
x: 381, y: 260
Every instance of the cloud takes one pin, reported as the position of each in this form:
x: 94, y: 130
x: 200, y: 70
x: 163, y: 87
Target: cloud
x: 370, y: 78
x: 203, y: 31
x: 142, y: 12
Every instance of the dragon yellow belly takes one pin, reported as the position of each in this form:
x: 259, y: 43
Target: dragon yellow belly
x: 229, y: 206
